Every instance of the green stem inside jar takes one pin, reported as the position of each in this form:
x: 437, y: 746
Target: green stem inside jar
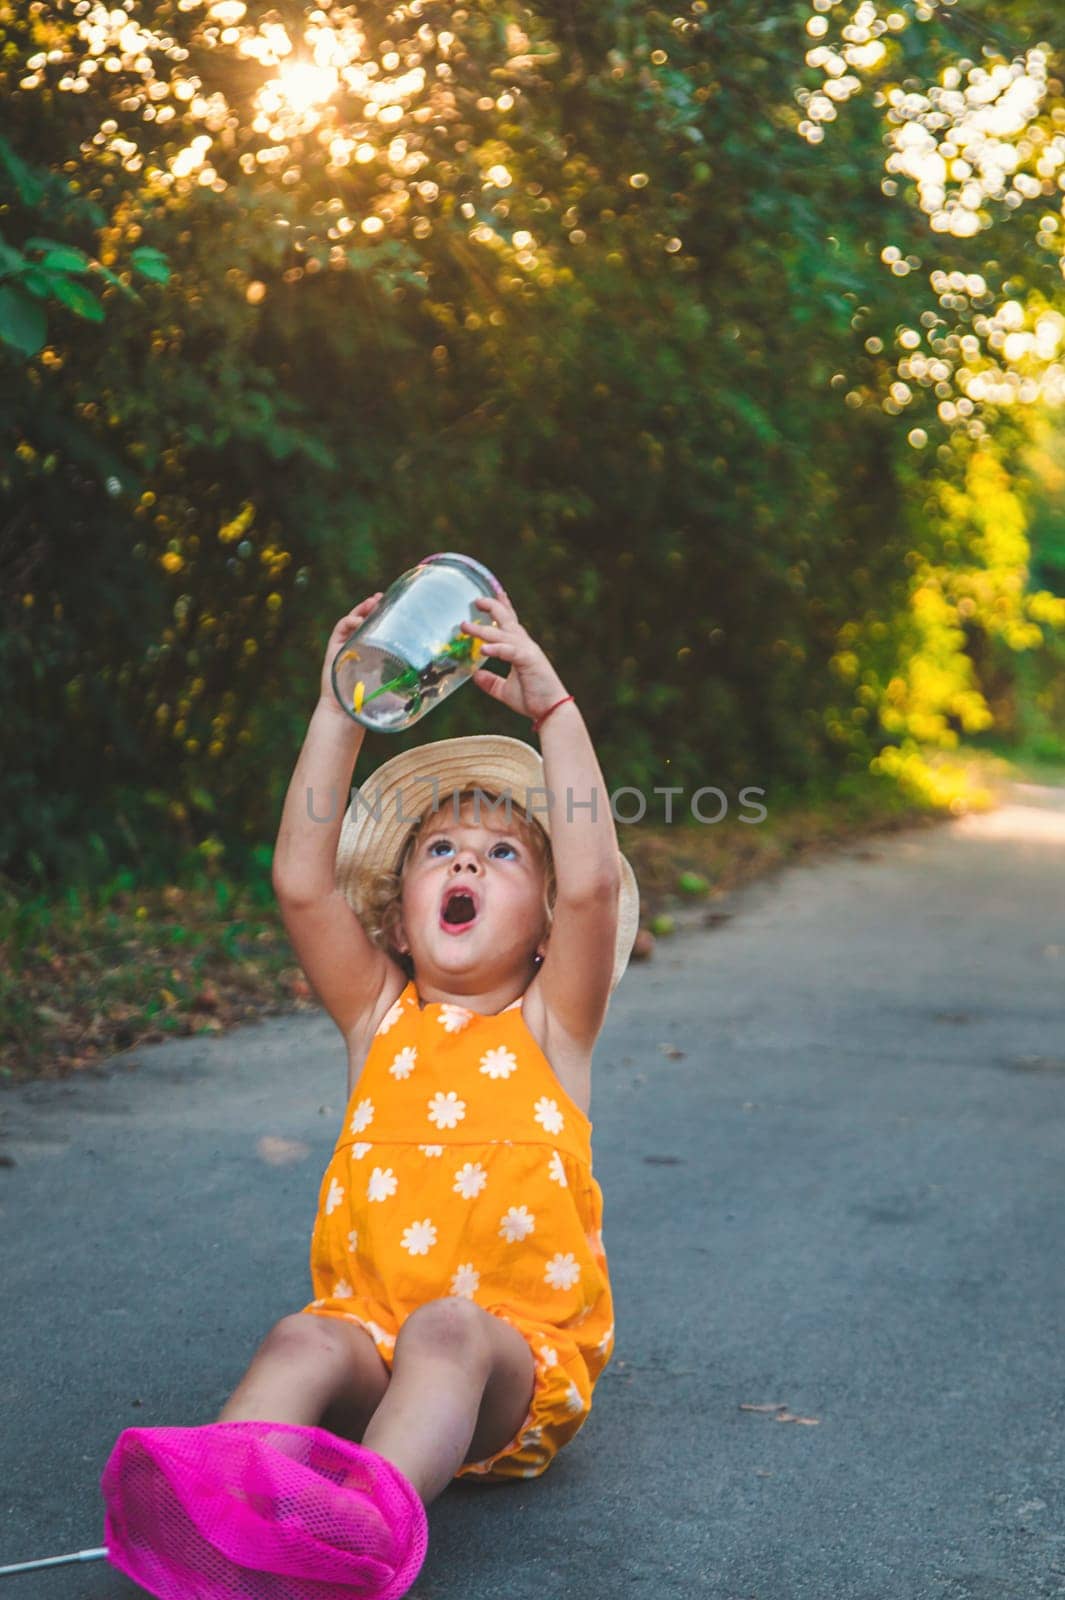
x: 456, y: 650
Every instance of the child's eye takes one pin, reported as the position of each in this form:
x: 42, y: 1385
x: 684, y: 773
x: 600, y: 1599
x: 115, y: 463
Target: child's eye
x: 502, y: 845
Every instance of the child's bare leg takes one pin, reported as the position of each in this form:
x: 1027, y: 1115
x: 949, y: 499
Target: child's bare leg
x: 461, y: 1387
x: 309, y: 1368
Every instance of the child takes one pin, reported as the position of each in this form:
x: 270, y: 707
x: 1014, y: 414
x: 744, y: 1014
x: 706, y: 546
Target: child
x: 462, y: 1309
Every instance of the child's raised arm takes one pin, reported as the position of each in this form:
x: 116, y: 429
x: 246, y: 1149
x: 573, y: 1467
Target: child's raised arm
x: 584, y: 841
x: 342, y: 965
x: 574, y: 981
x: 584, y: 844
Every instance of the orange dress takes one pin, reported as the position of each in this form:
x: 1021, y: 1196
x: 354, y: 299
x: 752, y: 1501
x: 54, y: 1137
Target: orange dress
x: 464, y: 1168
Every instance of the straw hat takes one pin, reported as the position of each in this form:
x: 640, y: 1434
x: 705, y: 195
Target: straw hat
x: 429, y: 777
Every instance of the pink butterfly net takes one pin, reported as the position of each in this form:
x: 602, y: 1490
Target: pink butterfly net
x: 260, y: 1511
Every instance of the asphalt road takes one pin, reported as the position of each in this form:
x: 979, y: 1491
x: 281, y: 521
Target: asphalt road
x: 830, y: 1133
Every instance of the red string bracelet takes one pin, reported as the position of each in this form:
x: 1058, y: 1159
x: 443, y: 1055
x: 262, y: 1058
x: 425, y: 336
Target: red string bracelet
x: 538, y: 724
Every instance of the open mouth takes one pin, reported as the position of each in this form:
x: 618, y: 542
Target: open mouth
x: 459, y: 910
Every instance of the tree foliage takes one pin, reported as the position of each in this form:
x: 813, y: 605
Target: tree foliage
x: 722, y: 335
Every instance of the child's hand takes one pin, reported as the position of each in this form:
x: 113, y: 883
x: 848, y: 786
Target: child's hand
x: 533, y: 685
x: 343, y: 630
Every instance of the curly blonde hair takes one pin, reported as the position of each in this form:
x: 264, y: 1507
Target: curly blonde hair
x: 382, y: 893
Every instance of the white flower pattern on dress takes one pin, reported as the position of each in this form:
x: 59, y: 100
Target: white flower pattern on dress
x: 499, y: 1063
x: 390, y: 1018
x: 453, y: 1018
x: 516, y: 1224
x: 548, y: 1115
x: 465, y: 1280
x: 404, y: 1063
x: 419, y: 1237
x: 381, y: 1184
x: 537, y: 1117
x: 382, y: 1335
x: 446, y: 1110
x: 362, y: 1116
x: 562, y: 1271
x: 470, y: 1180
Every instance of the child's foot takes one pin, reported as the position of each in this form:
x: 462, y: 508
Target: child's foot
x: 344, y: 1517
x: 164, y: 1489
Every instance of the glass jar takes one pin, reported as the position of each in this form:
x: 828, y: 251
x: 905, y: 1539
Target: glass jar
x: 411, y: 653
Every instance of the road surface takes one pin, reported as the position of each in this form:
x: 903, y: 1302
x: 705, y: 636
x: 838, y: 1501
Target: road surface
x: 830, y: 1133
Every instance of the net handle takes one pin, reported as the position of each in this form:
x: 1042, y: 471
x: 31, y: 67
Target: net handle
x: 54, y: 1561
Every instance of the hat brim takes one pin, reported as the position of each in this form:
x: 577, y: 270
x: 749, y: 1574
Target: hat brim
x: 432, y: 776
